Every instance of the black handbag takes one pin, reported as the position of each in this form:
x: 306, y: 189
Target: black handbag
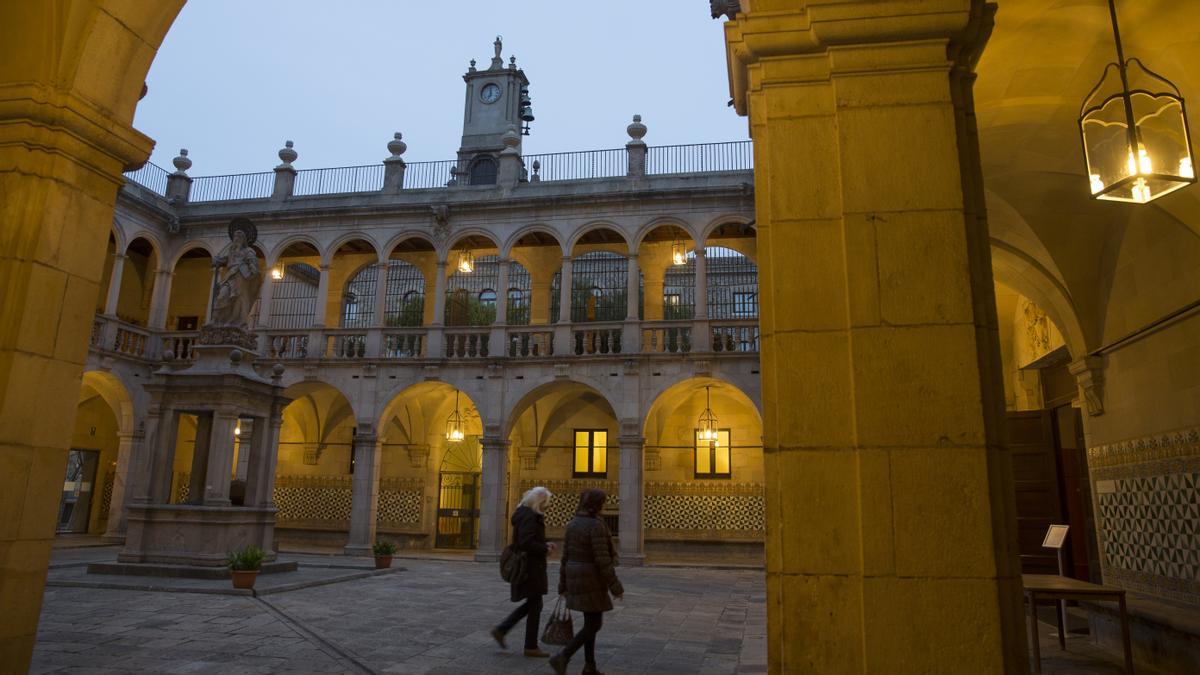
x: 559, y: 628
x: 512, y: 565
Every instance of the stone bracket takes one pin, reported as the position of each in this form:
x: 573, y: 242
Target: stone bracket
x: 1089, y: 375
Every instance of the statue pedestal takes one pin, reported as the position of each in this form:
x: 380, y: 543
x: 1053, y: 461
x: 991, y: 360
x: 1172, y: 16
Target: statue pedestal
x: 238, y: 414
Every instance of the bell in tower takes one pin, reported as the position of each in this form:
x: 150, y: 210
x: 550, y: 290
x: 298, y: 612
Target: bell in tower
x: 496, y: 98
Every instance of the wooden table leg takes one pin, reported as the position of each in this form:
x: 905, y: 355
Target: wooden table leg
x: 1125, y: 635
x: 1061, y: 615
x: 1033, y: 632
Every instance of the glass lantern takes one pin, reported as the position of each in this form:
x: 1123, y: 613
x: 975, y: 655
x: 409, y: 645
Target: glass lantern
x: 466, y: 261
x: 454, y: 424
x: 678, y: 253
x: 707, y: 426
x: 1135, y: 139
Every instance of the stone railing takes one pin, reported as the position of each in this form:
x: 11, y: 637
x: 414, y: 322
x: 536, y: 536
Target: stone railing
x: 666, y: 337
x: 459, y: 343
x: 596, y: 338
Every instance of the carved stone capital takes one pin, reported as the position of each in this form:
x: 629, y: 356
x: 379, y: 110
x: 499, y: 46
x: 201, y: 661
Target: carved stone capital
x: 1089, y: 375
x: 418, y: 456
x: 529, y: 457
x: 652, y: 458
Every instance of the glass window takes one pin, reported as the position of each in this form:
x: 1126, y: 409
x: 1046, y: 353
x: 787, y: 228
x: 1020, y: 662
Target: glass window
x: 591, y: 453
x: 713, y: 460
x: 487, y: 297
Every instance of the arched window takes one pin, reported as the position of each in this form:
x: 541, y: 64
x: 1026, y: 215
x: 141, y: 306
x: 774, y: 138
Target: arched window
x: 405, y: 301
x: 358, y: 299
x: 487, y: 298
x: 294, y: 297
x: 464, y: 294
x: 598, y: 288
x: 483, y: 171
x: 732, y: 284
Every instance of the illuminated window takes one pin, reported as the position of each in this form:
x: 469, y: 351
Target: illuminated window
x: 591, y: 453
x: 713, y: 459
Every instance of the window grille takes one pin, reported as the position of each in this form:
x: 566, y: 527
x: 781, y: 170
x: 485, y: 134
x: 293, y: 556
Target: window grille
x: 405, y: 301
x: 520, y: 291
x: 294, y: 297
x: 358, y: 299
x: 732, y: 284
x: 465, y: 304
x: 591, y: 453
x: 483, y: 171
x: 679, y: 290
x: 598, y: 288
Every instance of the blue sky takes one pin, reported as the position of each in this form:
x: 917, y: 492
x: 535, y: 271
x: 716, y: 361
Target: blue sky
x: 235, y: 78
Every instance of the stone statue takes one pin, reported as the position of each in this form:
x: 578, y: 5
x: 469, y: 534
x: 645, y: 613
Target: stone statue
x: 236, y: 278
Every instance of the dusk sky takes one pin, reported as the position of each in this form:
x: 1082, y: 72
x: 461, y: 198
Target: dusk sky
x: 234, y: 79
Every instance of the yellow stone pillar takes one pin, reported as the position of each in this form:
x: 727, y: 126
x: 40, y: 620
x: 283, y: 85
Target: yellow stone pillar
x: 890, y: 524
x: 70, y: 76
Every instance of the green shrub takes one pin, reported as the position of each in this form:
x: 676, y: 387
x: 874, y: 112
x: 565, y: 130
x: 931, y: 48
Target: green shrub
x: 384, y: 547
x: 248, y: 559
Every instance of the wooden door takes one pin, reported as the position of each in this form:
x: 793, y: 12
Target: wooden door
x: 1035, y: 477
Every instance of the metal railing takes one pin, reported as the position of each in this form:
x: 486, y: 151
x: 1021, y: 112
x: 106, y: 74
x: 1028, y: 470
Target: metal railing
x: 152, y: 177
x: 367, y: 178
x: 422, y: 175
x: 236, y: 186
x: 578, y: 165
x: 700, y: 158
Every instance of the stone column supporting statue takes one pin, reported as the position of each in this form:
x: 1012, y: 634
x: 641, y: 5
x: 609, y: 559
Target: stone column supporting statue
x: 198, y: 476
x: 220, y: 459
x: 630, y: 508
x: 128, y: 445
x: 264, y: 453
x: 493, y: 511
x: 364, y: 509
x: 155, y: 472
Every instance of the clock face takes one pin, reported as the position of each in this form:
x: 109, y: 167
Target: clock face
x: 490, y: 93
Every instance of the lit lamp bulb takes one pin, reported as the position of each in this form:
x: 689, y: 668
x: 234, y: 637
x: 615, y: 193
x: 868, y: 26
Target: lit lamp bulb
x: 466, y: 262
x: 277, y: 273
x: 455, y: 435
x: 678, y: 254
x: 237, y: 431
x: 1185, y: 168
x: 1097, y: 184
x: 1144, y: 162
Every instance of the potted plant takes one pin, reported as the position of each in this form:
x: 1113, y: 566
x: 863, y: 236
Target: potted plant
x: 244, y: 566
x: 383, y: 553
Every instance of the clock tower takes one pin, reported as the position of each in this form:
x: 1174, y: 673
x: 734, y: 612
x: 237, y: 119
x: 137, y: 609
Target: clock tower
x: 497, y: 98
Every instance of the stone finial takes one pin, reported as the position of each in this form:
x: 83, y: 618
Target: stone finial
x: 277, y: 370
x: 512, y: 63
x: 287, y: 155
x: 636, y: 130
x: 472, y: 68
x: 511, y: 139
x: 537, y: 167
x: 182, y: 163
x: 397, y: 146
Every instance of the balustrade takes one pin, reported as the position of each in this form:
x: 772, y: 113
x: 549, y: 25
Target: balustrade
x: 130, y: 340
x: 530, y: 343
x: 666, y: 338
x: 97, y: 332
x: 735, y: 336
x: 406, y: 345
x: 287, y: 345
x: 181, y: 344
x: 597, y: 339
x: 466, y: 345
x: 340, y: 345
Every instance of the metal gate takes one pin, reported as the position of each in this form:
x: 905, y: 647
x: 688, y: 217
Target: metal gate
x: 75, y: 506
x: 458, y: 509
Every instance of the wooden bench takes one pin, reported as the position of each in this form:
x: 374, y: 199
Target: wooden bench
x: 1045, y: 588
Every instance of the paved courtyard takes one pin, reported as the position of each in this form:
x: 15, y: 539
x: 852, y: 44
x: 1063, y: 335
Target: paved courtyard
x: 430, y: 616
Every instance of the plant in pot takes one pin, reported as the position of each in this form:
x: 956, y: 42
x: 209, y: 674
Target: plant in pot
x: 244, y: 566
x: 384, y: 550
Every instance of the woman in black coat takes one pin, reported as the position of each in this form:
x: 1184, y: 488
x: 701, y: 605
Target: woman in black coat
x: 529, y: 536
x: 586, y: 578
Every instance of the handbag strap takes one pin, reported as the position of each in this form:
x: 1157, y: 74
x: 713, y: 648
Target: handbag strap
x: 560, y: 610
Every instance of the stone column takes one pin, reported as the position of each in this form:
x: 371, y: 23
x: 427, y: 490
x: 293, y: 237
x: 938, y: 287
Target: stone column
x: 375, y: 332
x: 220, y: 459
x: 322, y: 297
x: 114, y: 285
x: 160, y: 299
x: 364, y: 509
x: 502, y: 293
x: 701, y: 334
x: 155, y: 473
x: 433, y: 336
x: 264, y: 300
x: 564, y: 291
x: 128, y: 445
x: 632, y: 477
x: 260, y: 481
x: 493, y: 511
x: 631, y: 335
x: 891, y: 542
x: 199, y: 471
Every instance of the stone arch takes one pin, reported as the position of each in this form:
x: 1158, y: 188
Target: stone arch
x: 594, y: 226
x: 722, y: 220
x: 663, y: 394
x: 1027, y: 276
x: 277, y: 250
x: 521, y: 404
x: 434, y: 413
x: 151, y: 238
x: 116, y: 394
x: 188, y: 247
x: 537, y: 228
x: 664, y: 221
x: 336, y: 245
x: 405, y: 235
x: 120, y: 239
x: 474, y: 237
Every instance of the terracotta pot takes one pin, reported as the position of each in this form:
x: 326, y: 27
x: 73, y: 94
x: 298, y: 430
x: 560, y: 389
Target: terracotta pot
x: 244, y: 578
x: 382, y: 562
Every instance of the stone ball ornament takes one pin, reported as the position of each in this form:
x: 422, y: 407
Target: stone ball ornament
x: 636, y: 130
x: 168, y: 355
x: 288, y: 154
x: 396, y: 146
x: 236, y: 356
x: 182, y: 163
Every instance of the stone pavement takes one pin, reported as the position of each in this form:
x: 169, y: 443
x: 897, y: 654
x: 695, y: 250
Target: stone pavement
x: 431, y: 617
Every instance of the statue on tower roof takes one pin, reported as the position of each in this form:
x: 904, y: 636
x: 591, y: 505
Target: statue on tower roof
x: 497, y: 62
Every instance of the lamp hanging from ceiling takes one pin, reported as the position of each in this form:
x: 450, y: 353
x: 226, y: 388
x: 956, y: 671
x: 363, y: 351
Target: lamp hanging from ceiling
x: 466, y: 261
x: 1135, y: 140
x: 707, y: 426
x: 678, y: 252
x: 454, y: 424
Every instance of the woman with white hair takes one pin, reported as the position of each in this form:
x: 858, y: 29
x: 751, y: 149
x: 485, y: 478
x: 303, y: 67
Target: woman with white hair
x: 529, y: 537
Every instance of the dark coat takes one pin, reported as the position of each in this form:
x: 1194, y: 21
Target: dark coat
x: 587, y: 575
x: 529, y: 535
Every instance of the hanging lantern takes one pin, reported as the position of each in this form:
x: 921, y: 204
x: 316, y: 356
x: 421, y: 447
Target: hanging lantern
x: 708, y: 422
x: 678, y: 253
x: 237, y: 430
x: 1135, y: 141
x: 454, y: 424
x: 466, y: 261
x: 277, y: 272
